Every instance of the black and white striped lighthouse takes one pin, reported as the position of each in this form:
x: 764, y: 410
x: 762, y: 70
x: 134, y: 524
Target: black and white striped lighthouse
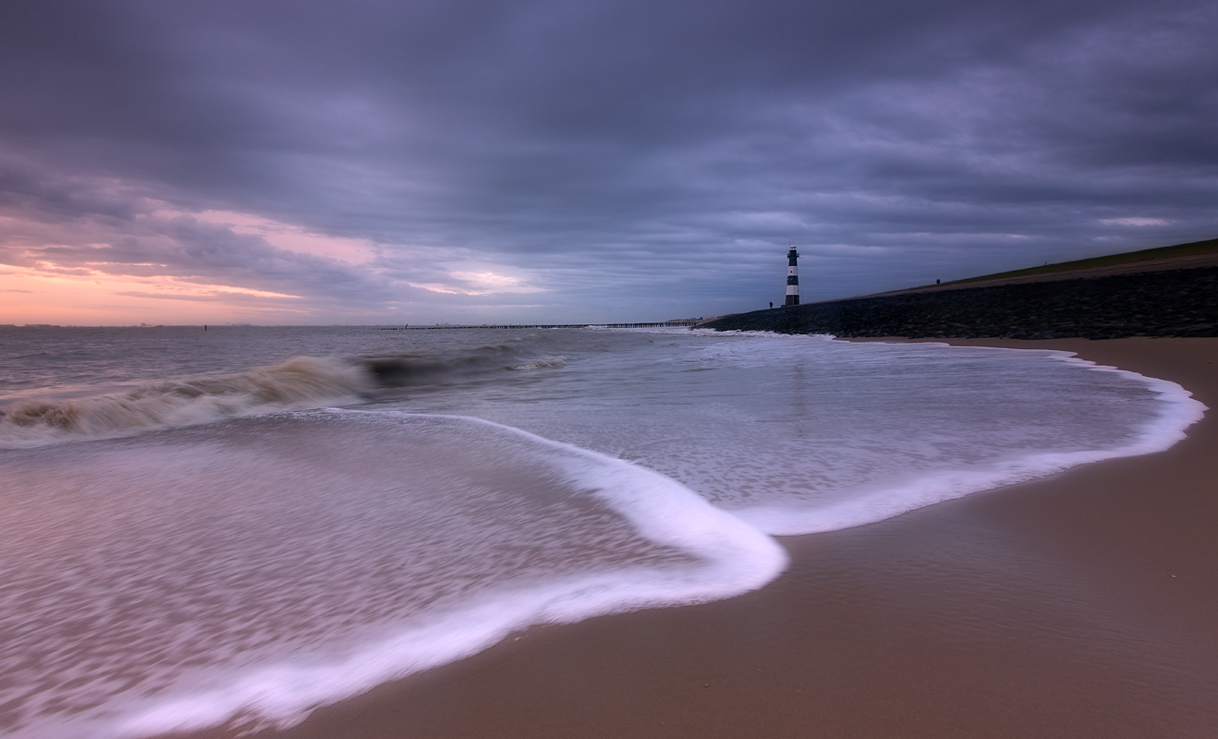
x: 792, y: 277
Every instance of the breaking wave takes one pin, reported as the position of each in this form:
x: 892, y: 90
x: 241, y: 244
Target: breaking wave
x: 299, y: 383
x: 263, y: 566
x: 548, y: 363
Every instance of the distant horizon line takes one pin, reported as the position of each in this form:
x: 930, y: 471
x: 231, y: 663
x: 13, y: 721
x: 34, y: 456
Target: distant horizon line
x: 387, y: 326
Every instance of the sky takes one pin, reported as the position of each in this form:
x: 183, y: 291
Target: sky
x: 477, y: 161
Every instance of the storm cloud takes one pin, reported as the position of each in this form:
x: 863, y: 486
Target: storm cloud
x: 604, y: 160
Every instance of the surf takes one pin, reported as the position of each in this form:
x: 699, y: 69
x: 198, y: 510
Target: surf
x: 298, y: 383
x: 230, y: 547
x: 251, y: 570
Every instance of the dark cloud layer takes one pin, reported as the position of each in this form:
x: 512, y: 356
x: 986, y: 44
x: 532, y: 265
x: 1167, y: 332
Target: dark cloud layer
x: 623, y: 159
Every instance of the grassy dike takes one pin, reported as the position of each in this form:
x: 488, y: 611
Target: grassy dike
x: 1158, y: 302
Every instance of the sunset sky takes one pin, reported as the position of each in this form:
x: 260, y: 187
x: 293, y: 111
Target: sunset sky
x: 601, y: 160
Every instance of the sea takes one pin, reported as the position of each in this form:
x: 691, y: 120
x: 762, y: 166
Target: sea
x: 235, y: 526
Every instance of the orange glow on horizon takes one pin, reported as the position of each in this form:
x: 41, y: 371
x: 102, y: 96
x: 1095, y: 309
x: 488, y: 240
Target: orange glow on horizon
x: 37, y: 296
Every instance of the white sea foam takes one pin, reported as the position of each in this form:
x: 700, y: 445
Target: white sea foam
x: 800, y: 434
x: 301, y: 572
x: 547, y: 363
x: 251, y: 570
x: 1176, y: 411
x: 733, y: 558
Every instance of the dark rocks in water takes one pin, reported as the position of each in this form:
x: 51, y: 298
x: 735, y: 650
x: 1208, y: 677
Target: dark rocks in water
x: 1167, y: 303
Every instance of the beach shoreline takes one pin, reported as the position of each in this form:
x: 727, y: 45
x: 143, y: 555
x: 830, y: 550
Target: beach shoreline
x: 1076, y: 605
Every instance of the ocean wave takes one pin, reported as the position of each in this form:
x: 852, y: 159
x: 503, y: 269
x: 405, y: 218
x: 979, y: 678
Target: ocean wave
x: 548, y: 363
x: 409, y: 370
x: 263, y: 567
x: 299, y: 383
x: 414, y: 539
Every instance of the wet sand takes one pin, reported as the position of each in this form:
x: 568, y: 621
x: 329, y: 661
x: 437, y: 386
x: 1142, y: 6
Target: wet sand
x: 1083, y: 605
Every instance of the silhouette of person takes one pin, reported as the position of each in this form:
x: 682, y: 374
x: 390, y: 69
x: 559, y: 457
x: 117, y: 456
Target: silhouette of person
x: 771, y: 305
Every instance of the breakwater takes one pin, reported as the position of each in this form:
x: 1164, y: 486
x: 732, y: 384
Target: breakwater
x: 1166, y: 303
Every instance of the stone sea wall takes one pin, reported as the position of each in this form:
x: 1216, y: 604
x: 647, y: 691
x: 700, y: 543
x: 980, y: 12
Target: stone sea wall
x: 1166, y: 303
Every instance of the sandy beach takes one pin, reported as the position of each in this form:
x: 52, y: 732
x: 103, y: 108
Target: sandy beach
x: 608, y: 370
x: 1082, y: 605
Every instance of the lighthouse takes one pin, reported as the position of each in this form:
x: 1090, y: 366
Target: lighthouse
x: 792, y: 277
